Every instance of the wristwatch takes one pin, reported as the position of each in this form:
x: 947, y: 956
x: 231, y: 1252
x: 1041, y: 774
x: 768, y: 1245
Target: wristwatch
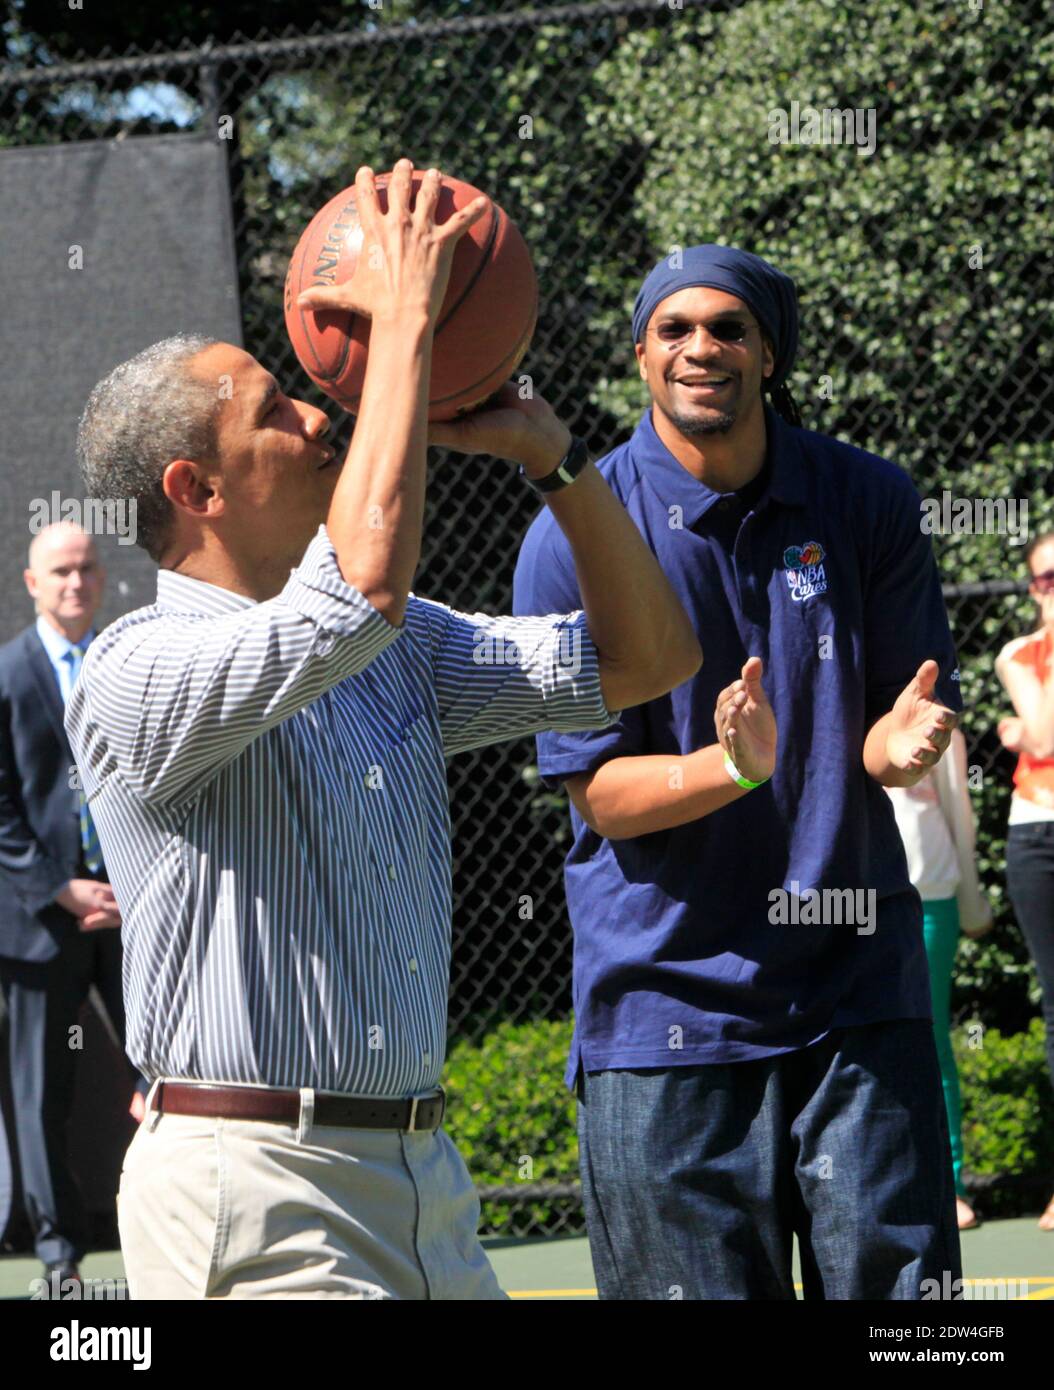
x: 566, y: 471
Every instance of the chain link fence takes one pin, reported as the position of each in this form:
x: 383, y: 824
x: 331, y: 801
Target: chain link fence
x: 524, y: 103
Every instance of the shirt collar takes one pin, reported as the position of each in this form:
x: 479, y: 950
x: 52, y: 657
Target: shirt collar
x: 676, y: 486
x: 179, y: 593
x: 56, y: 645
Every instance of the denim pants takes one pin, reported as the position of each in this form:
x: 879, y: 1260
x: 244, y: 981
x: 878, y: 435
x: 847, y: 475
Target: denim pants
x: 1030, y: 881
x: 696, y: 1178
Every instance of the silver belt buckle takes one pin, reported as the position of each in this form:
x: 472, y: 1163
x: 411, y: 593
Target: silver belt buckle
x: 440, y: 1095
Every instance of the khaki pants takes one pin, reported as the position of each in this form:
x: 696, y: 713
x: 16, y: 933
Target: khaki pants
x: 245, y: 1209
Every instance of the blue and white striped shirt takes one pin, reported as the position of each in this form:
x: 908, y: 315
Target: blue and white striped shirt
x: 268, y: 785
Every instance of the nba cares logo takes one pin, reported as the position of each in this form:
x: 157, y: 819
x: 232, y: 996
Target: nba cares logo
x: 806, y: 575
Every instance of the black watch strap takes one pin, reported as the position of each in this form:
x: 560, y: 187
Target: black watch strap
x: 566, y: 471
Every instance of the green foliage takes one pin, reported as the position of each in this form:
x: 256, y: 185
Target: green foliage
x: 1008, y: 1115
x: 507, y: 1102
x: 930, y: 358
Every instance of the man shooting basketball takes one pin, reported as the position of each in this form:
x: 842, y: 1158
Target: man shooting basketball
x: 263, y: 754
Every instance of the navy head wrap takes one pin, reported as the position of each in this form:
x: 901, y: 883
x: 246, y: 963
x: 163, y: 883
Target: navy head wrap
x: 766, y: 291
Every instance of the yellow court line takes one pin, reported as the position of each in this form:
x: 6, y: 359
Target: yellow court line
x: 1012, y: 1279
x: 552, y: 1293
x: 1030, y: 1279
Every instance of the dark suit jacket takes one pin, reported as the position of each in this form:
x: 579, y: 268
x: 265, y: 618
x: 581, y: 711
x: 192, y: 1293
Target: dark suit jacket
x: 40, y: 842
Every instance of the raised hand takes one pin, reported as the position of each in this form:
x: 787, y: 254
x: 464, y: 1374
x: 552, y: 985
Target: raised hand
x: 919, y: 728
x: 525, y: 431
x: 746, y: 724
x: 405, y: 257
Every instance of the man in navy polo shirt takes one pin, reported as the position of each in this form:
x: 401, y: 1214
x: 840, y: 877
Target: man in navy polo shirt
x: 753, y: 1049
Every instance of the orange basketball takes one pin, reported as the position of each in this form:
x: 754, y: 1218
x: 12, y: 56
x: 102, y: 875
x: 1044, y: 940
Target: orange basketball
x: 485, y: 324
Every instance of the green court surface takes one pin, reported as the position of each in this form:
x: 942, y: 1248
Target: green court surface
x: 1002, y: 1259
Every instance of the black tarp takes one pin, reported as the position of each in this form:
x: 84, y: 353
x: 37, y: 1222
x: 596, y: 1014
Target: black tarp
x: 151, y: 218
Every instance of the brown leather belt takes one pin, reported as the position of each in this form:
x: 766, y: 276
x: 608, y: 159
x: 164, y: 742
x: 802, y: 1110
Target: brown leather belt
x: 285, y: 1106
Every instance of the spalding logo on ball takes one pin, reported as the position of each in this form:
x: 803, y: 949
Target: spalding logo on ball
x: 485, y: 324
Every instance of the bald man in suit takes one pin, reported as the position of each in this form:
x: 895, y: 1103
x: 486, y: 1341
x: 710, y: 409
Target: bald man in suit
x: 59, y: 921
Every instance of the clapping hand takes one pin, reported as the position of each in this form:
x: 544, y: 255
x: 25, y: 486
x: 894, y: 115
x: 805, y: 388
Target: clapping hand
x: 920, y: 727
x: 746, y: 725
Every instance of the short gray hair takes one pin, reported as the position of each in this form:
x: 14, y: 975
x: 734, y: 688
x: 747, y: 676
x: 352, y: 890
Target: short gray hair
x: 145, y: 413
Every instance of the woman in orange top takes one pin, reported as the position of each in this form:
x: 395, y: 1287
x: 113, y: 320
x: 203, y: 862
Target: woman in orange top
x: 1026, y: 668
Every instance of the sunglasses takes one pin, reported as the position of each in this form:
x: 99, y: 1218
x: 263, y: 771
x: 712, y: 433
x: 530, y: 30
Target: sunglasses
x: 1043, y: 583
x: 672, y: 331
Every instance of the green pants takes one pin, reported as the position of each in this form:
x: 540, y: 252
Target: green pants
x: 940, y: 924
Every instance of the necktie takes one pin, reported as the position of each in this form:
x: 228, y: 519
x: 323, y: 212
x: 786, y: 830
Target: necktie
x: 89, y: 838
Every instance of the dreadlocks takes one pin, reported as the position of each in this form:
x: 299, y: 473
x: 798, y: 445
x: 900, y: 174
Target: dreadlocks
x: 784, y: 404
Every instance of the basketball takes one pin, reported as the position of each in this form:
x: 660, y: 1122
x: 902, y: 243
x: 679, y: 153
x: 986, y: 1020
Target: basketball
x: 485, y: 324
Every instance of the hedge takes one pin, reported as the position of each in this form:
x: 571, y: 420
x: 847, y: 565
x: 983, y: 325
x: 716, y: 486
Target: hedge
x: 513, y: 1119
